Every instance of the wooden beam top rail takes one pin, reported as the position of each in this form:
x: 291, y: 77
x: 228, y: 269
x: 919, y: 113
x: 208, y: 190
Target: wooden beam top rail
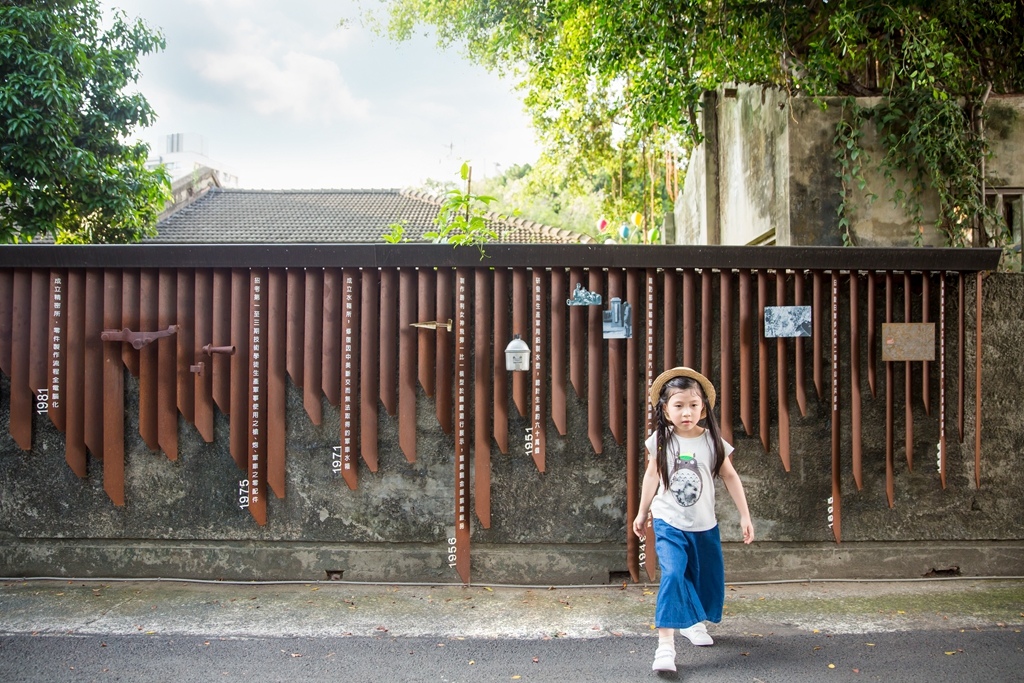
x: 497, y: 255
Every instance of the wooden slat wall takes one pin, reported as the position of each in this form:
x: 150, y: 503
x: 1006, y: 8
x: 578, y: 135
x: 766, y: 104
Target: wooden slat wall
x: 113, y: 392
x: 348, y: 336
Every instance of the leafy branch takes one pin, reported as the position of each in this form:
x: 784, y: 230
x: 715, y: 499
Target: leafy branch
x: 464, y: 217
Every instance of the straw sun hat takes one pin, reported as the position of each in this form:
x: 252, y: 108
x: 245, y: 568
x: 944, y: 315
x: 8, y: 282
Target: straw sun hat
x: 664, y: 377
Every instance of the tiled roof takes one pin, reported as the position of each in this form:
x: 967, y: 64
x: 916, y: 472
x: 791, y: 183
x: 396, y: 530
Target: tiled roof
x: 225, y: 215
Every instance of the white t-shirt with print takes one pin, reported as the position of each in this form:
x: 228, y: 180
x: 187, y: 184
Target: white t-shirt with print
x: 689, y: 501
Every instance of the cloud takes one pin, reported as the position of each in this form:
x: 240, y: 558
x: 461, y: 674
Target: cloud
x: 303, y: 87
x: 286, y: 98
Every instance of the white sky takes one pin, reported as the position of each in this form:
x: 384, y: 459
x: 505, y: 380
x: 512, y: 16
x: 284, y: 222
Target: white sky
x: 286, y: 99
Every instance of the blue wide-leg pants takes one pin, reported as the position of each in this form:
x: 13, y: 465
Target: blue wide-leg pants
x: 692, y: 576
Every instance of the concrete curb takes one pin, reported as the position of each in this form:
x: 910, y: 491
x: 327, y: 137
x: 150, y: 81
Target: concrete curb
x: 346, y: 609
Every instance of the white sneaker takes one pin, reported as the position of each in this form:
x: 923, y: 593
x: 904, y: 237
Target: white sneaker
x: 697, y: 634
x: 664, y: 658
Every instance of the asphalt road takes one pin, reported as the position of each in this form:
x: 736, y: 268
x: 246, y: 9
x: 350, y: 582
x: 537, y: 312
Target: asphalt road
x: 934, y: 632
x: 928, y: 656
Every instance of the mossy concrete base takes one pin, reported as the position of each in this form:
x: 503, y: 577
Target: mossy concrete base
x: 518, y: 564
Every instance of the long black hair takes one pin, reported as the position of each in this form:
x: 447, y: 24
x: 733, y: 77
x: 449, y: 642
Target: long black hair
x: 664, y: 429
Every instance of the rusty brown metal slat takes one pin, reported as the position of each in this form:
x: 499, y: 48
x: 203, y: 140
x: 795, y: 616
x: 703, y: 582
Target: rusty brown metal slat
x: 221, y: 329
x: 39, y: 350
x: 275, y: 336
x: 782, y: 376
x: 203, y: 335
x: 482, y: 394
x: 407, y: 336
x: 238, y: 425
x: 369, y: 363
x: 725, y: 352
x: 942, y: 379
x: 646, y: 553
x: 835, y: 501
x: 689, y: 318
x: 764, y: 421
x: 908, y: 382
x: 979, y: 279
x: 798, y: 346
x: 389, y: 301
x: 113, y: 391
x: 93, y: 360
x: 616, y: 353
x: 167, y: 372
x: 521, y: 326
x: 890, y: 487
x: 925, y: 366
x: 559, y: 292
x: 539, y: 351
x: 595, y: 362
x: 186, y: 340
x: 633, y: 441
x: 462, y: 491
x: 257, y: 406
x: 351, y: 316
x: 670, y: 302
x: 6, y: 310
x: 855, y: 394
x: 313, y: 343
x: 577, y: 333
x: 817, y: 313
x: 131, y: 294
x: 296, y: 330
x: 872, y: 328
x: 444, y: 350
x: 55, y: 344
x: 21, y: 398
x: 961, y: 363
x: 330, y: 346
x: 746, y: 323
x: 426, y: 311
x: 651, y: 333
x: 707, y: 328
x: 500, y: 376
x: 74, y: 395
x: 149, y: 291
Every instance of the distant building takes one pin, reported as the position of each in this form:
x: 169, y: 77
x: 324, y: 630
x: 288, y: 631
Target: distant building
x: 184, y: 155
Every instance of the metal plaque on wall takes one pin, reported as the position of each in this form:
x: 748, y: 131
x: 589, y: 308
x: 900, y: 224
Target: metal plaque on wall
x: 908, y: 341
x: 787, y: 321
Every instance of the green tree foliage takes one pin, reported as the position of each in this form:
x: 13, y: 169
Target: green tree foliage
x: 615, y: 86
x: 66, y: 167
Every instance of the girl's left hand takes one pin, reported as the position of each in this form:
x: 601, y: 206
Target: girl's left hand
x: 748, y: 530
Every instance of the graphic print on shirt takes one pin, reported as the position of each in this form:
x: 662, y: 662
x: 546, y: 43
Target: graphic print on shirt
x: 686, y: 484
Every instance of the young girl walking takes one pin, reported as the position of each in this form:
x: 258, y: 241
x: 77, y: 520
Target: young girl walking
x: 679, y: 492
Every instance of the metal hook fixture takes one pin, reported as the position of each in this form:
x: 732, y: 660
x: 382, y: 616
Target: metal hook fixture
x: 136, y: 339
x: 434, y: 324
x: 209, y: 350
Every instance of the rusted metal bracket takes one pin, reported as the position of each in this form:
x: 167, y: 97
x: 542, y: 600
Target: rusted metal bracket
x: 209, y: 350
x: 434, y: 324
x: 136, y: 339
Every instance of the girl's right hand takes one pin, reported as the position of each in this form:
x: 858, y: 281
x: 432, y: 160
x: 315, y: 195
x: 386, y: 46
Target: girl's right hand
x: 640, y: 525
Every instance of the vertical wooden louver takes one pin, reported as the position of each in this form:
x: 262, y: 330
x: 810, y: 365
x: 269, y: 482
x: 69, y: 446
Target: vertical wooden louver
x: 113, y: 392
x: 275, y: 330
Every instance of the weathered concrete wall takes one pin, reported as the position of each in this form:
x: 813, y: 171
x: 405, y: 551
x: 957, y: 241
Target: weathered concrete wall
x: 753, y: 164
x: 1005, y: 134
x: 691, y: 211
x: 776, y: 169
x: 815, y: 187
x: 566, y: 525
